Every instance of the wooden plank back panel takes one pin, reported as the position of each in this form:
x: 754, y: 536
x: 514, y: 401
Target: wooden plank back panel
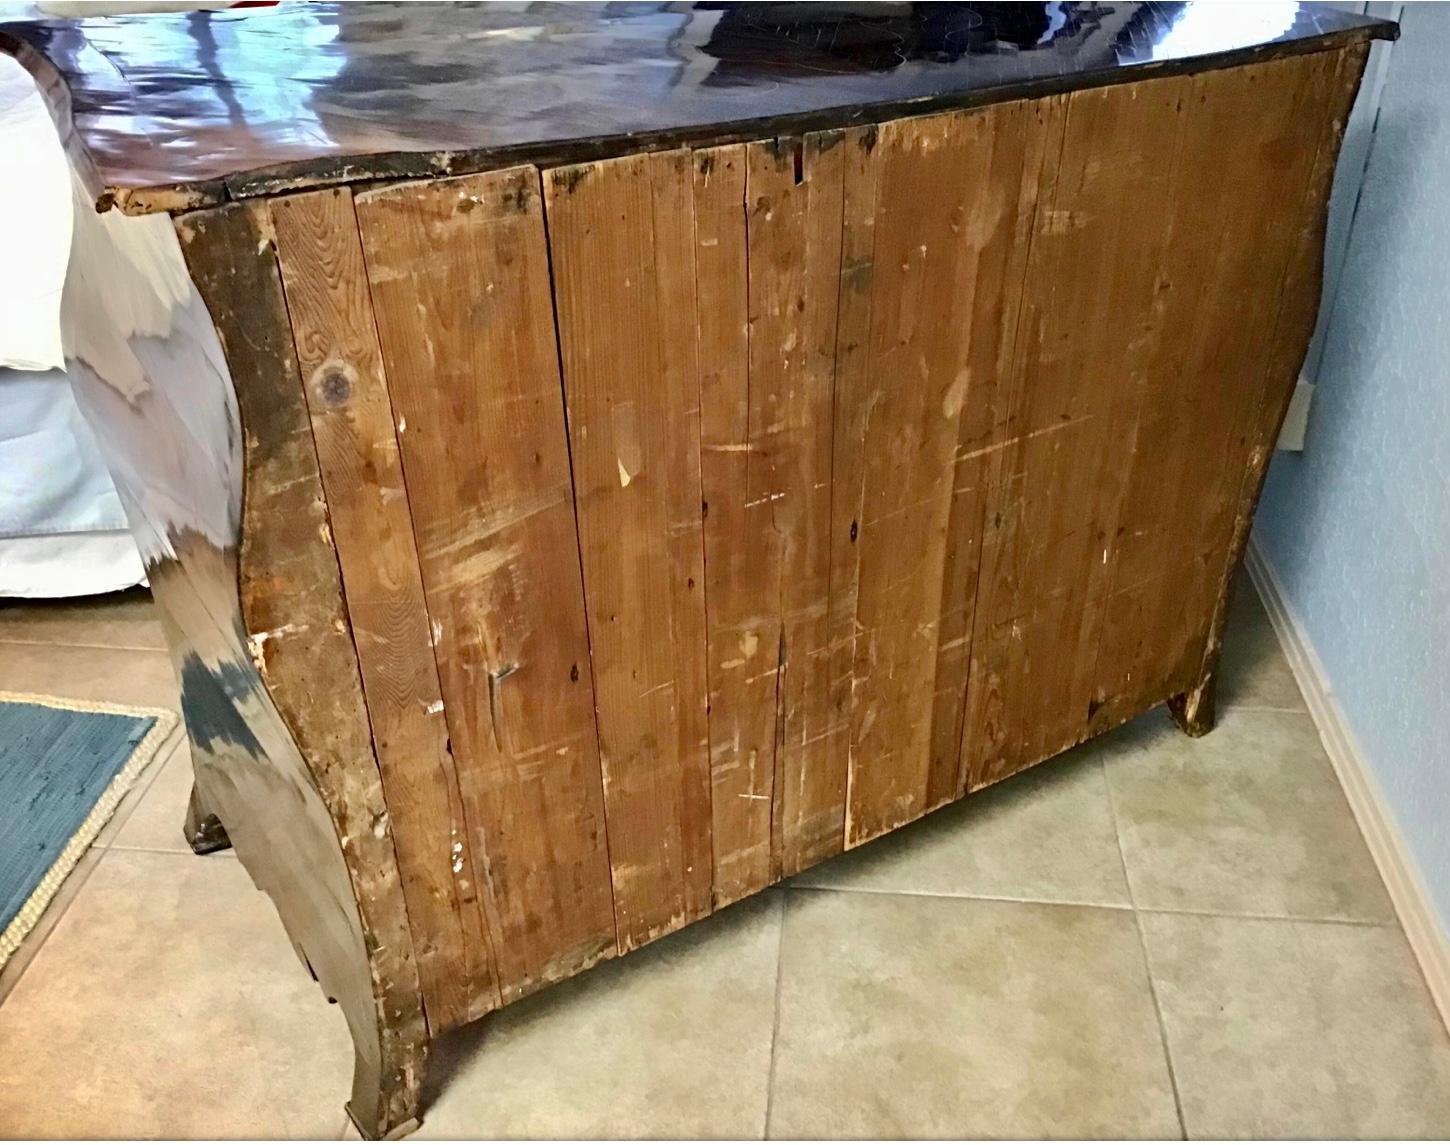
x: 768, y: 227
x: 1222, y: 280
x: 622, y: 240
x: 1327, y: 100
x: 902, y: 458
x: 352, y: 423
x: 459, y: 276
x: 1068, y: 419
x: 947, y: 199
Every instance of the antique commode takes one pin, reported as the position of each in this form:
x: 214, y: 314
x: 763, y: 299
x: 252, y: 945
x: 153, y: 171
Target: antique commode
x: 598, y: 460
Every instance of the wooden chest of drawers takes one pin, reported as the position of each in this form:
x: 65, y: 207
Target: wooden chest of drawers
x: 592, y: 480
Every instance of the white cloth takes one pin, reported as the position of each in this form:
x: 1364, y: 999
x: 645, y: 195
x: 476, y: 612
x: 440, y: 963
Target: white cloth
x: 62, y: 528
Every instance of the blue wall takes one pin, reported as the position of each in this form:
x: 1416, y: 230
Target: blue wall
x: 1358, y: 525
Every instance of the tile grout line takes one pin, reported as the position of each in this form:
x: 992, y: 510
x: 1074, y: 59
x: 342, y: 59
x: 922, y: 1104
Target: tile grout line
x: 1081, y: 904
x: 226, y: 853
x: 64, y: 905
x: 775, y: 1016
x: 79, y: 645
x: 1162, y: 1026
x: 137, y: 795
x: 1147, y: 960
x: 1023, y: 901
x: 92, y: 857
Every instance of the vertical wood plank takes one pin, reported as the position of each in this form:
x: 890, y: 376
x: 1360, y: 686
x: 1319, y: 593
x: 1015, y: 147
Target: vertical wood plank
x: 742, y: 551
x: 459, y: 276
x: 853, y: 405
x: 1332, y: 91
x: 621, y: 237
x: 1092, y: 309
x: 1025, y: 135
x: 768, y: 223
x: 678, y: 438
x: 948, y: 195
x: 353, y: 426
x: 1230, y: 253
x: 811, y: 783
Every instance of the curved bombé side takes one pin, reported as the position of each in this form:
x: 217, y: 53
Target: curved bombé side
x: 294, y: 786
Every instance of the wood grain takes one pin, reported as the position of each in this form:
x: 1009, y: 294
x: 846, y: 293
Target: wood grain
x: 621, y: 235
x: 795, y: 287
x: 1112, y: 506
x: 742, y: 551
x: 296, y: 625
x: 353, y: 426
x: 768, y: 227
x: 1092, y: 308
x: 1326, y: 100
x: 853, y: 404
x: 459, y: 275
x: 618, y: 542
x: 1201, y: 429
x: 945, y: 231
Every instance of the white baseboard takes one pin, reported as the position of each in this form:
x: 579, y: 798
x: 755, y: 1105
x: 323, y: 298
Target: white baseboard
x: 1397, y: 866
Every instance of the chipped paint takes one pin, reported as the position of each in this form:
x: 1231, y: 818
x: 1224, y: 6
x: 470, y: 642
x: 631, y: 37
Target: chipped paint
x: 257, y: 642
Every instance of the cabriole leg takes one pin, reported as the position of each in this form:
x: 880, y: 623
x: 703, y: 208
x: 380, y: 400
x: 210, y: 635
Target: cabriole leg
x: 1194, y: 711
x: 204, y: 831
x: 386, y: 1094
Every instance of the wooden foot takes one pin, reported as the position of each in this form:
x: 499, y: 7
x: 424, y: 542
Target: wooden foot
x: 386, y: 1095
x: 396, y: 1134
x: 1195, y: 711
x: 204, y: 831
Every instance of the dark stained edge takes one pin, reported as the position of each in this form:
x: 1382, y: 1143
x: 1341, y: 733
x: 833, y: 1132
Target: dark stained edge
x: 389, y: 166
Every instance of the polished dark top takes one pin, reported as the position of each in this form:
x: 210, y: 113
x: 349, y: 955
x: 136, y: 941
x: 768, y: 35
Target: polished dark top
x: 186, y: 109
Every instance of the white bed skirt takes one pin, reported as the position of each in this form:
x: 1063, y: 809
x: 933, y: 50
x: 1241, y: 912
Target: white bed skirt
x: 69, y: 564
x: 62, y: 529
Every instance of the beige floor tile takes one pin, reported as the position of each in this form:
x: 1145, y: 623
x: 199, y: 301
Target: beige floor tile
x: 907, y: 1016
x: 670, y: 1041
x: 20, y: 961
x: 1045, y: 834
x: 129, y: 804
x: 156, y: 823
x: 168, y: 1002
x: 1247, y: 820
x: 139, y: 793
x: 1295, y: 1029
x: 118, y: 676
x: 1253, y: 672
x: 114, y: 620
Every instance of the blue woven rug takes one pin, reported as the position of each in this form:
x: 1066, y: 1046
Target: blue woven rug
x: 64, y: 766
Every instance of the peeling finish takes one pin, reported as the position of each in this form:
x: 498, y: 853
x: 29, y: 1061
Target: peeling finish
x: 257, y: 642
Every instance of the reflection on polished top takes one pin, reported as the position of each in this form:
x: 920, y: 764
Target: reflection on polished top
x: 185, y: 109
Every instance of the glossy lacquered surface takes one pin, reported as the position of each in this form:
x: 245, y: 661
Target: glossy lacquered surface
x: 184, y: 109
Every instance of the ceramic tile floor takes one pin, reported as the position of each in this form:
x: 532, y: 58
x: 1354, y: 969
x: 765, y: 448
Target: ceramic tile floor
x: 1152, y: 937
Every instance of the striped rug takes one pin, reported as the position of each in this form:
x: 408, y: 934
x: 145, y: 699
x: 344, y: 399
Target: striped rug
x: 64, y: 767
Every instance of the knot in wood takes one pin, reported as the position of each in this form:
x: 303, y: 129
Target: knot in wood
x: 334, y: 385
